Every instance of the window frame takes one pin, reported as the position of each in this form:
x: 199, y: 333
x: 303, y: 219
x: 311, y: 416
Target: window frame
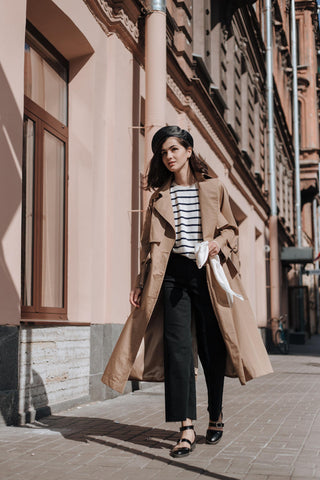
x: 44, y: 121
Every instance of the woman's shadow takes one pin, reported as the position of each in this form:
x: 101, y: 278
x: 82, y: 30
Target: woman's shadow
x: 113, y: 434
x: 86, y: 429
x: 128, y: 438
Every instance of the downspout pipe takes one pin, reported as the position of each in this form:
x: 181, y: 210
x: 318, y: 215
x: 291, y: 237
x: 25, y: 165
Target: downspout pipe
x: 270, y: 103
x: 273, y: 220
x: 295, y: 109
x: 317, y: 277
x: 156, y: 74
x: 296, y: 143
x: 316, y: 249
x: 318, y: 237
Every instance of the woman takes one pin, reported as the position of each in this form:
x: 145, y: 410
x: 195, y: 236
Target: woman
x: 172, y: 297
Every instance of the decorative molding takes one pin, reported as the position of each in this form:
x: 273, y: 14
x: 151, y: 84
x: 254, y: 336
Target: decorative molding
x: 303, y: 84
x: 100, y: 22
x: 243, y: 44
x: 288, y: 6
x: 212, y: 130
x: 289, y: 82
x: 257, y: 79
x: 187, y: 103
x: 303, y: 5
x: 176, y: 90
x: 196, y: 110
x: 111, y: 19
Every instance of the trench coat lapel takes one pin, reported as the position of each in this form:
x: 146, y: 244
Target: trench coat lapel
x: 209, y: 203
x: 162, y: 203
x: 209, y: 208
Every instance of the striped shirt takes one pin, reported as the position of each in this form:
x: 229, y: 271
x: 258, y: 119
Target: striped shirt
x: 187, y: 218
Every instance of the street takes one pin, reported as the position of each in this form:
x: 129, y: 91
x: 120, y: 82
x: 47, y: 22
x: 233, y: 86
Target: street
x: 272, y: 432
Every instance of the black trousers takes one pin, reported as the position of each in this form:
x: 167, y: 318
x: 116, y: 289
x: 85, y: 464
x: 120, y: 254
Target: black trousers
x: 186, y: 291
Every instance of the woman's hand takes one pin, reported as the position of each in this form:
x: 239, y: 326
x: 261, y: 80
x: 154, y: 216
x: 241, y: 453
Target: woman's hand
x: 214, y: 248
x: 135, y: 297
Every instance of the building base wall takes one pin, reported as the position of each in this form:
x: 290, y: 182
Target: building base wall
x: 59, y: 368
x: 102, y: 341
x: 9, y: 353
x: 54, y: 369
x: 48, y: 369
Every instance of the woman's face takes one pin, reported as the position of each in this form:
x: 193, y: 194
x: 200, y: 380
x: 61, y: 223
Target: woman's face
x: 175, y: 156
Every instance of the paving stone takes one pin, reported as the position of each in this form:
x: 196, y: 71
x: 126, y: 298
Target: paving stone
x: 272, y: 432
x: 294, y: 477
x: 277, y: 477
x: 271, y: 469
x: 300, y: 470
x: 255, y: 476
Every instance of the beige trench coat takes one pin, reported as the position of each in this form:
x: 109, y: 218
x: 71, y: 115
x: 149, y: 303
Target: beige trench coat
x: 138, y: 353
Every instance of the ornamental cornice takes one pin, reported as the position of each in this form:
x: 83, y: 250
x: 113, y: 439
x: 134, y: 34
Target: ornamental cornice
x: 303, y: 84
x: 194, y: 111
x: 243, y: 44
x: 176, y: 90
x: 306, y: 5
x: 288, y: 5
x: 109, y: 19
x: 187, y: 102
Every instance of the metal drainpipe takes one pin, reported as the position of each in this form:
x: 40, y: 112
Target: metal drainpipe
x: 273, y: 221
x: 316, y: 250
x: 318, y: 234
x: 317, y: 277
x: 296, y: 151
x: 156, y: 74
x: 296, y: 122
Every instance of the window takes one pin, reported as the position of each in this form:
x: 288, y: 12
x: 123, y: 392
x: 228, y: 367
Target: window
x: 216, y: 46
x: 44, y: 206
x: 258, y: 134
x: 251, y: 117
x: 298, y: 41
x: 237, y: 89
x: 299, y: 121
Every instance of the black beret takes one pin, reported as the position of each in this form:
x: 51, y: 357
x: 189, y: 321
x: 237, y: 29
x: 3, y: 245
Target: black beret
x: 170, y: 131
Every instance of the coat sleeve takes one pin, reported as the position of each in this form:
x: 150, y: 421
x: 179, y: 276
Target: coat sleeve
x: 227, y: 229
x: 144, y: 249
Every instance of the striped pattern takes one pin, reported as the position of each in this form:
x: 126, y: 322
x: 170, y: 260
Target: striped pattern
x: 187, y: 218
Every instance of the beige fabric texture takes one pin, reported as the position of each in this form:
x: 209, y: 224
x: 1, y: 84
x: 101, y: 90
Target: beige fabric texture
x: 138, y: 354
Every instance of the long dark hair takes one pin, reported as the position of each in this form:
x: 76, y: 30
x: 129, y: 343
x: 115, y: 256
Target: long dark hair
x: 157, y: 173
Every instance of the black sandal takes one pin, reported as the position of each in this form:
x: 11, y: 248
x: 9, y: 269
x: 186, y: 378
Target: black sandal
x: 184, y: 451
x: 214, y: 436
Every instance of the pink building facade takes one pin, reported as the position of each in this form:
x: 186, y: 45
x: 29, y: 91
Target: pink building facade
x: 72, y: 143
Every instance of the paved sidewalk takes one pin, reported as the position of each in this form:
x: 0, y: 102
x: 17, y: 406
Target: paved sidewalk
x: 272, y: 432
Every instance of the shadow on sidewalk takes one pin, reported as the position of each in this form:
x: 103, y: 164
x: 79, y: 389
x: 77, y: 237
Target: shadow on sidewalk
x: 311, y: 348
x: 87, y: 429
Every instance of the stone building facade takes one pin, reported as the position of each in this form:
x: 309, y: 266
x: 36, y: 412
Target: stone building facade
x: 307, y: 25
x: 72, y: 143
